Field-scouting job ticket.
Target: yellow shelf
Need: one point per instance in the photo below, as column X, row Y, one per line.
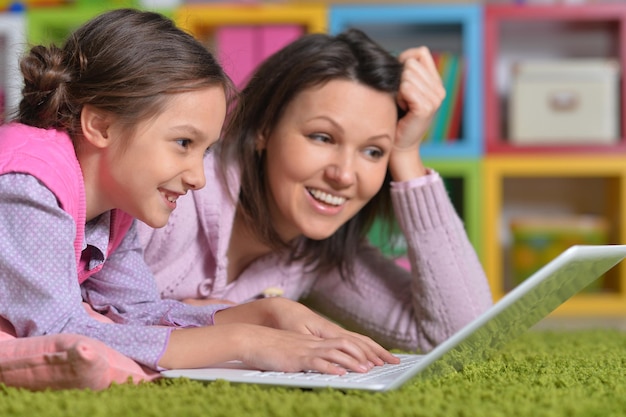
column 199, row 19
column 593, row 305
column 609, row 171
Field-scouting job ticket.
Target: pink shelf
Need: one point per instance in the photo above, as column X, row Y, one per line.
column 242, row 48
column 606, row 21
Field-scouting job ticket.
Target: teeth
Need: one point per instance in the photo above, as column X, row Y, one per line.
column 171, row 199
column 327, row 198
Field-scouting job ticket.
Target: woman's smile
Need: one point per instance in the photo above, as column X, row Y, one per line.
column 327, row 198
column 325, row 203
column 327, row 157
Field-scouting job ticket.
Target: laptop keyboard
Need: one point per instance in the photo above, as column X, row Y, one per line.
column 384, row 371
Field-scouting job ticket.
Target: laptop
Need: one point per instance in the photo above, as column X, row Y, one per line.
column 513, row 314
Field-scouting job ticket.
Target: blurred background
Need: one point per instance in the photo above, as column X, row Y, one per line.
column 530, row 138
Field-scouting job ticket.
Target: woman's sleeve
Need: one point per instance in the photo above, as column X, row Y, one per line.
column 445, row 289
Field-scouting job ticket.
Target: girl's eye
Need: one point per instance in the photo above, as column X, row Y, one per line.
column 184, row 142
column 374, row 153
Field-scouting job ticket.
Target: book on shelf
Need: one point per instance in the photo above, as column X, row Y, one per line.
column 446, row 125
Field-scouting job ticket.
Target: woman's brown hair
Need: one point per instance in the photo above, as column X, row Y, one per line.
column 310, row 61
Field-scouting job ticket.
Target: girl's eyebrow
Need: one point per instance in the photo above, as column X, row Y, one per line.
column 187, row 129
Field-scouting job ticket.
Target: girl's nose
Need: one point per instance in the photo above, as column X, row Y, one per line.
column 195, row 177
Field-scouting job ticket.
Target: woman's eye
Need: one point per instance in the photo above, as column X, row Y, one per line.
column 374, row 153
column 184, row 142
column 318, row 137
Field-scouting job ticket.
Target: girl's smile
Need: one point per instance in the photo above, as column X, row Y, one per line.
column 144, row 175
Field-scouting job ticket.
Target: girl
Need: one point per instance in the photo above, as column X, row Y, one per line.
column 325, row 138
column 111, row 127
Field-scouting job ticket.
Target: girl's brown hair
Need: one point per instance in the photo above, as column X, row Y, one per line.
column 310, row 61
column 124, row 61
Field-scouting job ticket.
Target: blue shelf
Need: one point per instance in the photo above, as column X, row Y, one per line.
column 463, row 22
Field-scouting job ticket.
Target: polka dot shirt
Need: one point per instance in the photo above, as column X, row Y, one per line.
column 39, row 290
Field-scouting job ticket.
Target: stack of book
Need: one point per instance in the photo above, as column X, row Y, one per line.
column 446, row 126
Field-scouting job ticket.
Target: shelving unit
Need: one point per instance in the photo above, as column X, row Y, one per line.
column 551, row 179
column 443, row 28
column 53, row 24
column 554, row 185
column 244, row 34
column 513, row 33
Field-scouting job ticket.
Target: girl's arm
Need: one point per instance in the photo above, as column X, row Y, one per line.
column 253, row 332
column 276, row 334
column 40, row 294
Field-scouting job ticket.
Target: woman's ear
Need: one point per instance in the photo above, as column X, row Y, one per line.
column 95, row 125
column 261, row 143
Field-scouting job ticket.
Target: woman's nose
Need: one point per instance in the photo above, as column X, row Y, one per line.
column 341, row 172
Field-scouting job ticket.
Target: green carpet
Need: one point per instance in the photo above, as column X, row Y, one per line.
column 543, row 373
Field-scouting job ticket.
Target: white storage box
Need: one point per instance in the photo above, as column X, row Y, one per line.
column 565, row 102
column 12, row 45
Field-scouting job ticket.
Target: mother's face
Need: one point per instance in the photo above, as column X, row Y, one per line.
column 327, row 157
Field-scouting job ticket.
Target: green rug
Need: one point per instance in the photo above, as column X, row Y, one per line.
column 543, row 373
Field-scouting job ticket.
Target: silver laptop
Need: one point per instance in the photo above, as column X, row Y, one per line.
column 516, row 312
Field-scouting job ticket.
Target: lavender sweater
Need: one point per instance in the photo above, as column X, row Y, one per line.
column 407, row 310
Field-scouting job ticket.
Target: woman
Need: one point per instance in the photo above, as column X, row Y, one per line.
column 324, row 139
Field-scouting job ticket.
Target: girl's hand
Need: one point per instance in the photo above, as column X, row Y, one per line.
column 420, row 94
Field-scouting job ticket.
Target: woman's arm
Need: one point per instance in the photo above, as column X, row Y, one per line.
column 255, row 334
column 445, row 289
column 420, row 94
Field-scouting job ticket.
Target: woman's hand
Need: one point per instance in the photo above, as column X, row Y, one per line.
column 420, row 94
column 264, row 348
column 289, row 351
column 322, row 342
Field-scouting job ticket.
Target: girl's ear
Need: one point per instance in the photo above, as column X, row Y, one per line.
column 95, row 124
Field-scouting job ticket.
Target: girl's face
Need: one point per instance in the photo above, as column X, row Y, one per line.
column 327, row 157
column 145, row 174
